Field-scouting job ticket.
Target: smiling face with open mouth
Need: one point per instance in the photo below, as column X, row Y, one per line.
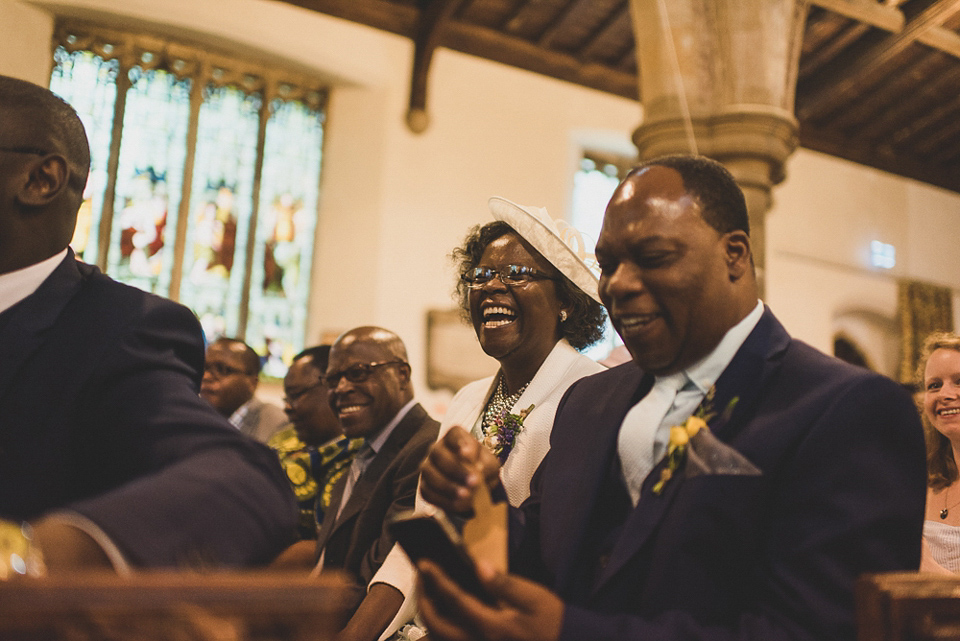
column 941, row 397
column 668, row 279
column 517, row 324
column 365, row 398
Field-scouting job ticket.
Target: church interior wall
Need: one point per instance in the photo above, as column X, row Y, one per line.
column 393, row 203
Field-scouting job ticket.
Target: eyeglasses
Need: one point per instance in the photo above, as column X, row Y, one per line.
column 477, row 277
column 222, row 370
column 358, row 373
column 25, row 150
column 293, row 397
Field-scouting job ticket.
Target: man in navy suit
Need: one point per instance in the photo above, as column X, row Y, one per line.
column 634, row 527
column 105, row 445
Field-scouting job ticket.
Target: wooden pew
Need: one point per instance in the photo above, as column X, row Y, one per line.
column 173, row 606
column 908, row 606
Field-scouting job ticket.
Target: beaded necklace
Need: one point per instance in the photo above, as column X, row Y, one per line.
column 498, row 403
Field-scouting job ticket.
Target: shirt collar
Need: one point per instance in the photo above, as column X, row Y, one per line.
column 17, row 285
column 384, row 434
column 236, row 419
column 704, row 373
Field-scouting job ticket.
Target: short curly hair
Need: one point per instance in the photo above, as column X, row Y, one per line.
column 586, row 317
column 941, row 466
column 722, row 202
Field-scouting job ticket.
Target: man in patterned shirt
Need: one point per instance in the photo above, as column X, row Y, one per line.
column 312, row 449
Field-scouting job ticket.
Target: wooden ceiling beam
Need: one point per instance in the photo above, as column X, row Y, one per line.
column 812, row 62
column 499, row 47
column 844, row 85
column 560, row 20
column 939, row 90
column 891, row 19
column 379, row 14
column 829, row 142
column 895, row 92
column 866, row 11
column 589, row 50
column 434, row 19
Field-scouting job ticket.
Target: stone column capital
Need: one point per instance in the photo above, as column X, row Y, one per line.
column 763, row 136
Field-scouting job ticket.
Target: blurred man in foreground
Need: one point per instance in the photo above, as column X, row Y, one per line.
column 105, row 445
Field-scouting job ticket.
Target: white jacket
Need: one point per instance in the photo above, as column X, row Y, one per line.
column 562, row 367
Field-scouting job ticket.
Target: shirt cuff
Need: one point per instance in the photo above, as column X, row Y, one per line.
column 91, row 529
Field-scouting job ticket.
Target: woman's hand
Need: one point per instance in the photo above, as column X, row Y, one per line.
column 454, row 468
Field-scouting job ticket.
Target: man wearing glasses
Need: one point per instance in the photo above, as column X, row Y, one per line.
column 371, row 393
column 230, row 377
column 106, row 448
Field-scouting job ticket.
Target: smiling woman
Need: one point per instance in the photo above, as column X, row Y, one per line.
column 526, row 288
column 532, row 301
column 939, row 376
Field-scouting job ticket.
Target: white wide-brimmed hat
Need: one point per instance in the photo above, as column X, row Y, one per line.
column 556, row 241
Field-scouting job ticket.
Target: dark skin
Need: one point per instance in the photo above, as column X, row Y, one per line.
column 35, row 219
column 520, row 340
column 38, row 212
column 673, row 286
column 523, row 340
column 364, row 409
column 227, row 393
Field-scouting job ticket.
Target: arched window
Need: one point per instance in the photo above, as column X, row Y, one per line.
column 204, row 179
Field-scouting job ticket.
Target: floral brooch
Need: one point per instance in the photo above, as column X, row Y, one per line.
column 504, row 431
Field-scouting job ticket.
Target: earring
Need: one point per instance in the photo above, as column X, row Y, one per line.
column 563, row 315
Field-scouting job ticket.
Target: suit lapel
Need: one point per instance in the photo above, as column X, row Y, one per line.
column 735, row 396
column 26, row 323
column 368, row 480
column 572, row 466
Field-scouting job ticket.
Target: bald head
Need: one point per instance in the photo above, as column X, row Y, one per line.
column 383, row 339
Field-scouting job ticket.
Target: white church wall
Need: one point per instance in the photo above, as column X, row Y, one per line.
column 820, row 280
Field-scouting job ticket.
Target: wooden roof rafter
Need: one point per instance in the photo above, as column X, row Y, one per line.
column 876, row 85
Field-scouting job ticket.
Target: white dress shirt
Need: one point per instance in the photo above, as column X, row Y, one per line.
column 17, row 285
column 700, row 377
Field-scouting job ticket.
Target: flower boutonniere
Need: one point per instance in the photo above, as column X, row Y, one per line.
column 504, row 431
column 693, row 440
column 680, row 436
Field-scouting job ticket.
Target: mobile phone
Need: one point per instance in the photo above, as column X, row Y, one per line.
column 434, row 538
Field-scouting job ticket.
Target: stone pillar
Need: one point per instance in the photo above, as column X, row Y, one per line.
column 718, row 77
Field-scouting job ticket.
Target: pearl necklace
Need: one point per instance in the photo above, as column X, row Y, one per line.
column 499, row 402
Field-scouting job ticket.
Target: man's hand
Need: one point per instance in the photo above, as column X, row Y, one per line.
column 454, row 468
column 525, row 611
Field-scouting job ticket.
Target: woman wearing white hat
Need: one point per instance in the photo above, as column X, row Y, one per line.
column 533, row 302
column 532, row 299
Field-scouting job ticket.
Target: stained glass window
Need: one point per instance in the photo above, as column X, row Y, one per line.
column 208, row 191
column 149, row 179
column 283, row 248
column 88, row 82
column 220, row 208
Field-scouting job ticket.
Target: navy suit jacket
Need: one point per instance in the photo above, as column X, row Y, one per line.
column 770, row 557
column 99, row 414
column 358, row 540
